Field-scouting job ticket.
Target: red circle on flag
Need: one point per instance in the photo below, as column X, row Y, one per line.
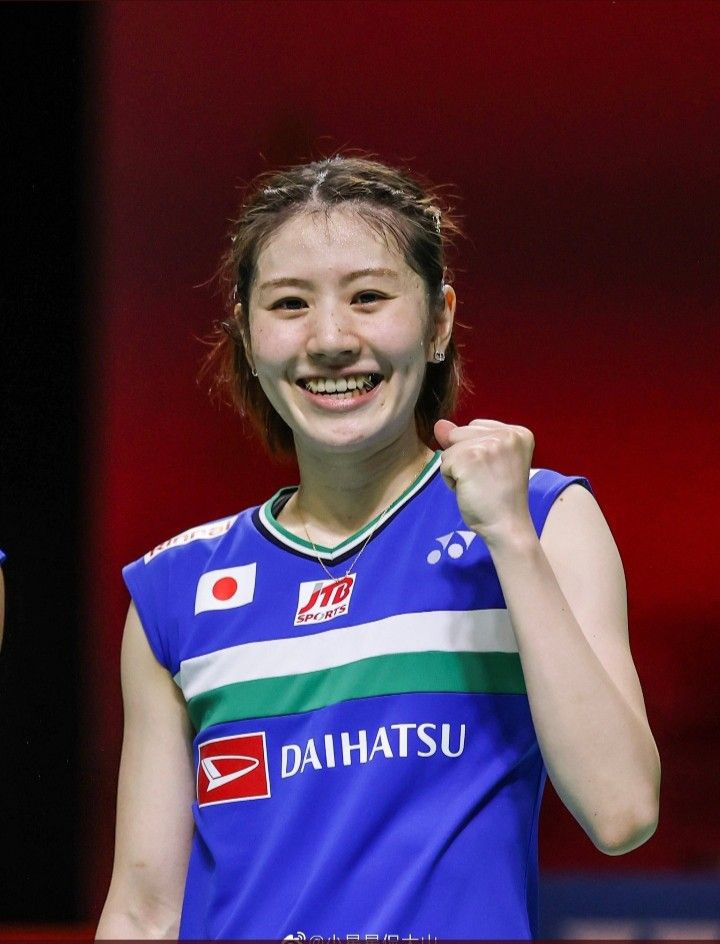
column 224, row 588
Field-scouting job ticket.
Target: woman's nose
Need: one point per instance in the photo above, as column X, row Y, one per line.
column 332, row 333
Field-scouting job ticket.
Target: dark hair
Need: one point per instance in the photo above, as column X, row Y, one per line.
column 390, row 201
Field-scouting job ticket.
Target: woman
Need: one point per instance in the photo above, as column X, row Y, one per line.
column 340, row 705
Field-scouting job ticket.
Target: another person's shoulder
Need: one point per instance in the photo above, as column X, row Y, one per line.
column 2, row 596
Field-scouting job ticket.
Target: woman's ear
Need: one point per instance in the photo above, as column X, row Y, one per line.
column 441, row 328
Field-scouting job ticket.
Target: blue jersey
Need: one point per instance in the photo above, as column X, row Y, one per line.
column 366, row 762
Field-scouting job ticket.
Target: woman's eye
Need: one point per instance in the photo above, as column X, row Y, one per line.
column 374, row 296
column 296, row 303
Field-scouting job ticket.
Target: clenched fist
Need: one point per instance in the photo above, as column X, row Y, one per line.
column 487, row 465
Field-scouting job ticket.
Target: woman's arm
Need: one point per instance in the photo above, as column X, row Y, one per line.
column 566, row 598
column 155, row 793
column 565, row 595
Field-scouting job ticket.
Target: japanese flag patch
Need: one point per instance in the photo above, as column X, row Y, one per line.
column 225, row 589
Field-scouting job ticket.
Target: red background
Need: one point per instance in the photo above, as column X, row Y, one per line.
column 583, row 141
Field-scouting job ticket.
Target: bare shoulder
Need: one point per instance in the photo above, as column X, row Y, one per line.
column 582, row 552
column 576, row 525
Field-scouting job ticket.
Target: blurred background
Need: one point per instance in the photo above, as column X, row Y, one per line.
column 580, row 141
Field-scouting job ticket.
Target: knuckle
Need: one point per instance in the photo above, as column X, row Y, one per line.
column 483, row 448
column 522, row 435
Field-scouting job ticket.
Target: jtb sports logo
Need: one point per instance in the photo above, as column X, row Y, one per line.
column 323, row 600
column 233, row 768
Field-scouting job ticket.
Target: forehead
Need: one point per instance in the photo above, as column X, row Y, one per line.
column 328, row 243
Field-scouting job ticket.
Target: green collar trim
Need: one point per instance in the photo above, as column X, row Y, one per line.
column 285, row 537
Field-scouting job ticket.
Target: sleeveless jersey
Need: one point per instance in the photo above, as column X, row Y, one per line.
column 366, row 763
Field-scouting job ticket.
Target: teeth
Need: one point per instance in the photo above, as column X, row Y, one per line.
column 341, row 385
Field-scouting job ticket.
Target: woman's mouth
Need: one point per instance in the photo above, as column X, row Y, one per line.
column 341, row 388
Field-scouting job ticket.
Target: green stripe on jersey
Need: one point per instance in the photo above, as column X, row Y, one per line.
column 401, row 673
column 472, row 631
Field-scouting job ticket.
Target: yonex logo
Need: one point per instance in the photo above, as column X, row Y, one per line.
column 233, row 768
column 454, row 548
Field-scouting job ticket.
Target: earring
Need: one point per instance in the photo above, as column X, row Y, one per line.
column 439, row 356
column 253, row 372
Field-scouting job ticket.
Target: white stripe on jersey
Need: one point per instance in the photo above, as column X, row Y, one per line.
column 441, row 631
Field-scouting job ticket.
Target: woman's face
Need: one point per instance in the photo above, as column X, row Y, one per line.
column 341, row 346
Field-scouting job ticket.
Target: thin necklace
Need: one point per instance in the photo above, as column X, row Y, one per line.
column 374, row 528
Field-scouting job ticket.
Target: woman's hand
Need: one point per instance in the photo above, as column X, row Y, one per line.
column 487, row 464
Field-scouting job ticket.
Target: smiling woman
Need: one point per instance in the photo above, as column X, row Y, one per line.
column 341, row 705
column 370, row 330
column 389, row 235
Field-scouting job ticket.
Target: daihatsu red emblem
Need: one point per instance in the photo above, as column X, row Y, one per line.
column 233, row 768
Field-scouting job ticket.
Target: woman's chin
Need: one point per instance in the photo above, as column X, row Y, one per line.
column 343, row 439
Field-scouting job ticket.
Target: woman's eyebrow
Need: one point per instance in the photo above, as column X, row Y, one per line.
column 361, row 273
column 286, row 282
column 350, row 277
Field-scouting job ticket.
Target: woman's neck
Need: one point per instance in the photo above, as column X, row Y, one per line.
column 339, row 494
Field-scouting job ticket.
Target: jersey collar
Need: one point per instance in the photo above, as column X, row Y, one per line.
column 272, row 528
